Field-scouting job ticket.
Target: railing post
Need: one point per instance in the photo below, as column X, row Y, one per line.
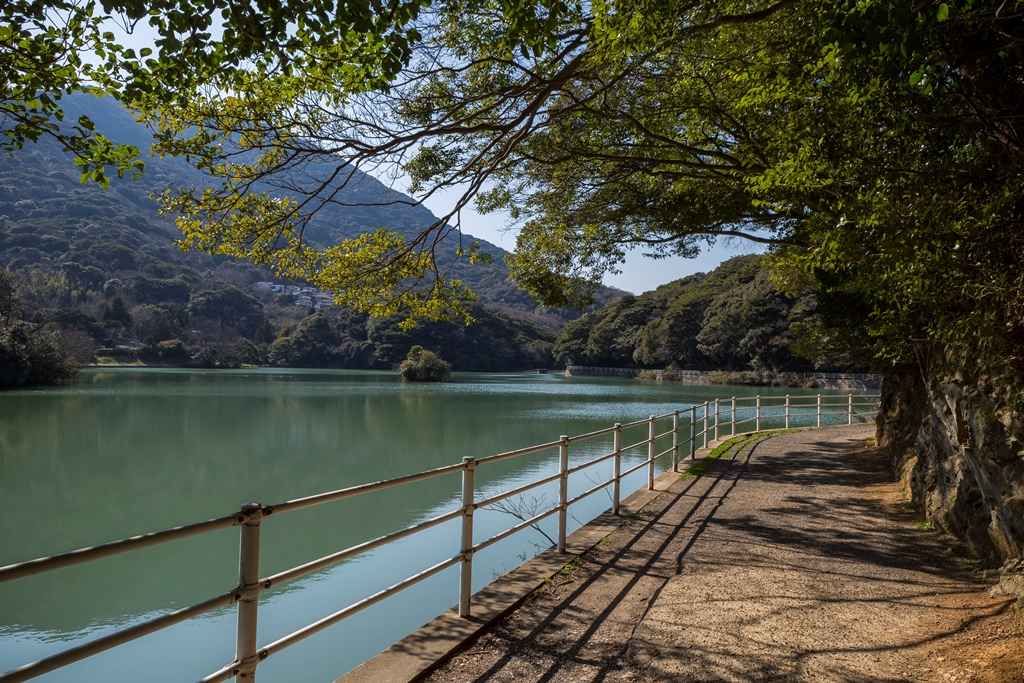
column 757, row 414
column 849, row 420
column 616, row 467
column 707, row 422
column 675, row 441
column 732, row 432
column 819, row 410
column 563, row 490
column 651, row 431
column 787, row 411
column 693, row 432
column 718, row 413
column 466, row 577
column 248, row 593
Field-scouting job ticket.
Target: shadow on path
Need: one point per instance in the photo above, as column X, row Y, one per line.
column 788, row 560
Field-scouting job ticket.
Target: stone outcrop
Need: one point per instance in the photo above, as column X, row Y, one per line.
column 958, row 449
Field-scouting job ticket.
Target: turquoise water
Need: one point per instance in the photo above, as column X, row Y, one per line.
column 126, row 451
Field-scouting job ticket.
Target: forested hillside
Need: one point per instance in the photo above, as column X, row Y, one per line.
column 100, row 266
column 731, row 318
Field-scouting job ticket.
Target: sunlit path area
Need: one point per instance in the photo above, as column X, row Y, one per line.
column 790, row 558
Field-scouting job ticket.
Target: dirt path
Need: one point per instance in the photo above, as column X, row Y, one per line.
column 790, row 559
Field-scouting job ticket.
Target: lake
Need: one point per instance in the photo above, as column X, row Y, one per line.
column 127, row 451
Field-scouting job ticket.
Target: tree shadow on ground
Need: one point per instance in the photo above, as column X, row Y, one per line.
column 833, row 537
column 701, row 495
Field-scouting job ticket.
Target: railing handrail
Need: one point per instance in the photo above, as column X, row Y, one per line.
column 739, row 410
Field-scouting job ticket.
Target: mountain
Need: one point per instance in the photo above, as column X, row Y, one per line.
column 101, row 264
column 50, row 218
column 729, row 319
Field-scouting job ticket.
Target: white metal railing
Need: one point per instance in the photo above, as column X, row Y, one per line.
column 706, row 423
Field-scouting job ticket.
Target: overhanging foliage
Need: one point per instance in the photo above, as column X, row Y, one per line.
column 876, row 145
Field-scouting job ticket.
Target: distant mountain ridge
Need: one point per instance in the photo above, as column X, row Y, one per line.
column 98, row 268
column 41, row 182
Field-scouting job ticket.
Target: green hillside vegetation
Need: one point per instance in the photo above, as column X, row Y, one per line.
column 732, row 318
column 50, row 221
column 30, row 353
column 100, row 267
column 343, row 338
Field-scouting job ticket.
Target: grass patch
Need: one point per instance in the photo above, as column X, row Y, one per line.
column 971, row 564
column 572, row 566
column 648, row 507
column 708, row 461
column 923, row 523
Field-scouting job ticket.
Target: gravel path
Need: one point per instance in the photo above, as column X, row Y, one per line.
column 790, row 559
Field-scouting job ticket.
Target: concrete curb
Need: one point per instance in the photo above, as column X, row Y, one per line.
column 429, row 646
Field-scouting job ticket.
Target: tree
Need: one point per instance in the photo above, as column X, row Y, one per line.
column 421, row 365
column 729, row 318
column 747, row 325
column 116, row 311
column 8, row 295
column 263, row 60
column 875, row 145
column 309, row 346
column 29, row 353
column 227, row 309
column 480, row 85
column 246, row 352
column 495, row 342
column 154, row 324
column 52, row 47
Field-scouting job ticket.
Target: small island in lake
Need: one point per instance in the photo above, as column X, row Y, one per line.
column 421, row 365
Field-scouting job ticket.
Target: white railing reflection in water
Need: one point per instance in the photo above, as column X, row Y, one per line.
column 691, row 429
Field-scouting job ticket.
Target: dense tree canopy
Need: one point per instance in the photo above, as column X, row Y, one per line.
column 49, row 48
column 731, row 318
column 233, row 72
column 876, row 145
column 424, row 366
column 484, row 83
column 29, row 353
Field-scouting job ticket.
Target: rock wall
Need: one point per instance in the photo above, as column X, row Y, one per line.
column 959, row 452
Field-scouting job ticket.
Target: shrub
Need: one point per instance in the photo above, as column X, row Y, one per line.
column 32, row 356
column 172, row 349
column 421, row 365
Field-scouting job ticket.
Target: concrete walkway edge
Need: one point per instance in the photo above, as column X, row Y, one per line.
column 423, row 650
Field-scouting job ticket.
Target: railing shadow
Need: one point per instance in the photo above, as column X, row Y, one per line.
column 834, row 539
